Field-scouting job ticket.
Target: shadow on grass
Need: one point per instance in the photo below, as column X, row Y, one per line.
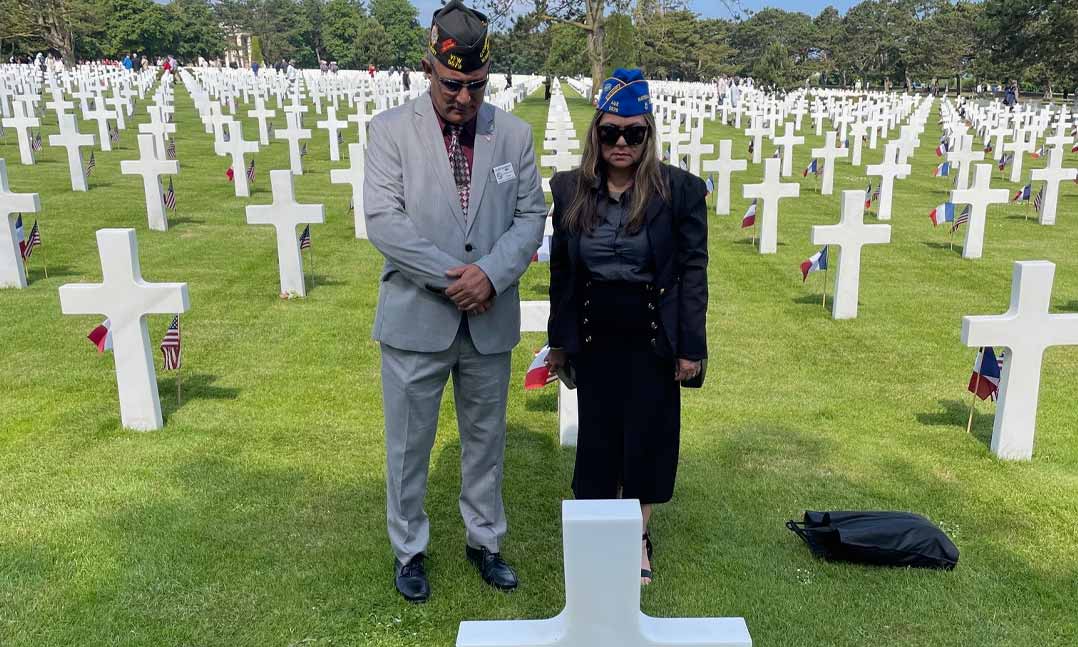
column 1070, row 306
column 815, row 299
column 956, row 249
column 36, row 273
column 322, row 281
column 955, row 414
column 176, row 221
column 194, row 386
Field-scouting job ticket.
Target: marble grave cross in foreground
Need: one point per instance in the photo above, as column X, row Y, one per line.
column 1026, row 330
column 12, row 271
column 850, row 235
column 602, row 594
column 151, row 168
column 285, row 214
column 125, row 299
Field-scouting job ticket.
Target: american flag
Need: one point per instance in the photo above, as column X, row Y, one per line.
column 752, row 146
column 868, row 196
column 225, row 135
column 251, row 172
column 1038, row 200
column 340, row 137
column 91, row 165
column 170, row 345
column 305, row 238
column 35, row 141
column 303, row 151
column 170, row 196
column 170, row 150
column 962, row 219
column 1005, row 161
column 1, row 129
column 34, row 240
column 114, row 135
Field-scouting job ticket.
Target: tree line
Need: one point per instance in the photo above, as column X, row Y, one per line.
column 879, row 43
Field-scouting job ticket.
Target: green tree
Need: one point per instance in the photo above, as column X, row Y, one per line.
column 341, row 26
column 568, row 51
column 195, row 30
column 775, row 67
column 827, row 39
column 620, row 42
column 399, row 20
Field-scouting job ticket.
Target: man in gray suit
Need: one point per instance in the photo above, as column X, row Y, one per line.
column 454, row 202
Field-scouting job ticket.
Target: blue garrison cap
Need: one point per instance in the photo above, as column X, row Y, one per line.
column 625, row 94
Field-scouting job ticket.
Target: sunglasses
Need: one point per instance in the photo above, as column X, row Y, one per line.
column 634, row 135
column 454, row 86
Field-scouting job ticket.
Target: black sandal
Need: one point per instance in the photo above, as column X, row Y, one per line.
column 647, row 543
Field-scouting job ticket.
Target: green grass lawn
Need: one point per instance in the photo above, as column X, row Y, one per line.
column 256, row 517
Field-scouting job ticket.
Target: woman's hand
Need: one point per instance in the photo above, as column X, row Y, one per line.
column 556, row 359
column 686, row 370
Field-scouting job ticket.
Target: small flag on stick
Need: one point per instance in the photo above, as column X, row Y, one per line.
column 101, row 336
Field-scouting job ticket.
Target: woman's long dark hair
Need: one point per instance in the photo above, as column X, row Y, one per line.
column 583, row 214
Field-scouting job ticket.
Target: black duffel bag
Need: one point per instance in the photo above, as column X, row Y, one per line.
column 880, row 538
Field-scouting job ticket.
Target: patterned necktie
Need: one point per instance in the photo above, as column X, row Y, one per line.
column 462, row 175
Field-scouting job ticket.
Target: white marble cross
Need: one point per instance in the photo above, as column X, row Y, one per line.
column 533, row 318
column 12, row 271
column 22, row 123
column 125, row 299
column 858, row 130
column 850, row 234
column 757, row 132
column 979, row 195
column 101, row 115
column 237, row 147
column 723, row 167
column 1060, row 140
column 285, row 214
column 333, row 125
column 151, row 168
column 1026, row 330
column 1052, row 175
column 159, row 129
column 830, row 152
column 787, row 142
column 293, row 134
column 261, row 113
column 353, row 175
column 908, row 143
column 601, row 542
column 71, row 139
column 1020, row 146
column 888, row 170
column 695, row 150
column 964, row 156
column 769, row 192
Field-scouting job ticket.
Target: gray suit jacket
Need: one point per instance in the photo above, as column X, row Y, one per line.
column 414, row 218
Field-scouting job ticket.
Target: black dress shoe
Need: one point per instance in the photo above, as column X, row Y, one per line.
column 411, row 579
column 493, row 568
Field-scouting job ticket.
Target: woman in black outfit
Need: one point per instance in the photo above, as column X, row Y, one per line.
column 628, row 301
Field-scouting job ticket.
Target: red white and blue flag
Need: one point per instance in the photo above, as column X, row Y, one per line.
column 305, row 238
column 943, row 170
column 817, row 263
column 170, row 196
column 170, row 345
column 984, row 382
column 943, row 213
column 1038, row 200
column 19, row 238
column 1037, row 154
column 101, row 336
column 813, row 167
column 868, row 196
column 749, row 219
column 1006, row 160
column 962, row 219
column 1023, row 193
column 942, row 149
column 32, row 241
column 539, row 374
column 710, row 184
column 251, row 172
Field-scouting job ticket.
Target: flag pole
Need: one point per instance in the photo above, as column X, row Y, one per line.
column 311, row 250
column 976, row 388
column 179, row 366
column 826, row 274
column 44, row 260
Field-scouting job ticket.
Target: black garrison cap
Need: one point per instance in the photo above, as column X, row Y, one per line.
column 459, row 38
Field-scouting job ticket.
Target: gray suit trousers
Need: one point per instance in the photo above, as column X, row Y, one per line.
column 412, row 386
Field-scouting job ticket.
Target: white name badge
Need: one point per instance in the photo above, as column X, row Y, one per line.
column 504, row 173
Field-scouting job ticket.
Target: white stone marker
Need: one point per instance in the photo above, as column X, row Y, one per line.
column 125, row 299
column 964, row 156
column 1020, row 146
column 978, row 196
column 101, row 115
column 12, row 271
column 293, row 134
column 151, row 169
column 353, row 175
column 888, row 170
column 533, row 318
column 261, row 113
column 285, row 214
column 237, row 147
column 757, row 132
column 1052, row 175
column 830, row 152
column 769, row 192
column 71, row 139
column 1026, row 330
column 602, row 594
column 858, row 130
column 333, row 125
column 787, row 142
column 850, row 235
column 723, row 167
column 22, row 123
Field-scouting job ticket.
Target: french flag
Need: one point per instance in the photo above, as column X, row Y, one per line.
column 868, row 196
column 986, row 374
column 812, row 168
column 102, row 336
column 539, row 374
column 943, row 170
column 19, row 236
column 988, row 148
column 1023, row 193
column 749, row 220
column 816, row 263
column 942, row 149
column 943, row 213
column 1039, row 153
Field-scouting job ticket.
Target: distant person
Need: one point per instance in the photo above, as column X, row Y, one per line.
column 254, row 67
column 333, row 67
column 371, row 70
column 406, row 79
column 128, row 65
column 1010, row 95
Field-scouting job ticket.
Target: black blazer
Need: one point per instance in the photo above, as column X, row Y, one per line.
column 677, row 232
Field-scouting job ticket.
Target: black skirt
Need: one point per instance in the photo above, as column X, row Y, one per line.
column 629, row 403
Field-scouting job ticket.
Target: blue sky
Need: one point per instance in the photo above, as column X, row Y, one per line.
column 708, row 8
